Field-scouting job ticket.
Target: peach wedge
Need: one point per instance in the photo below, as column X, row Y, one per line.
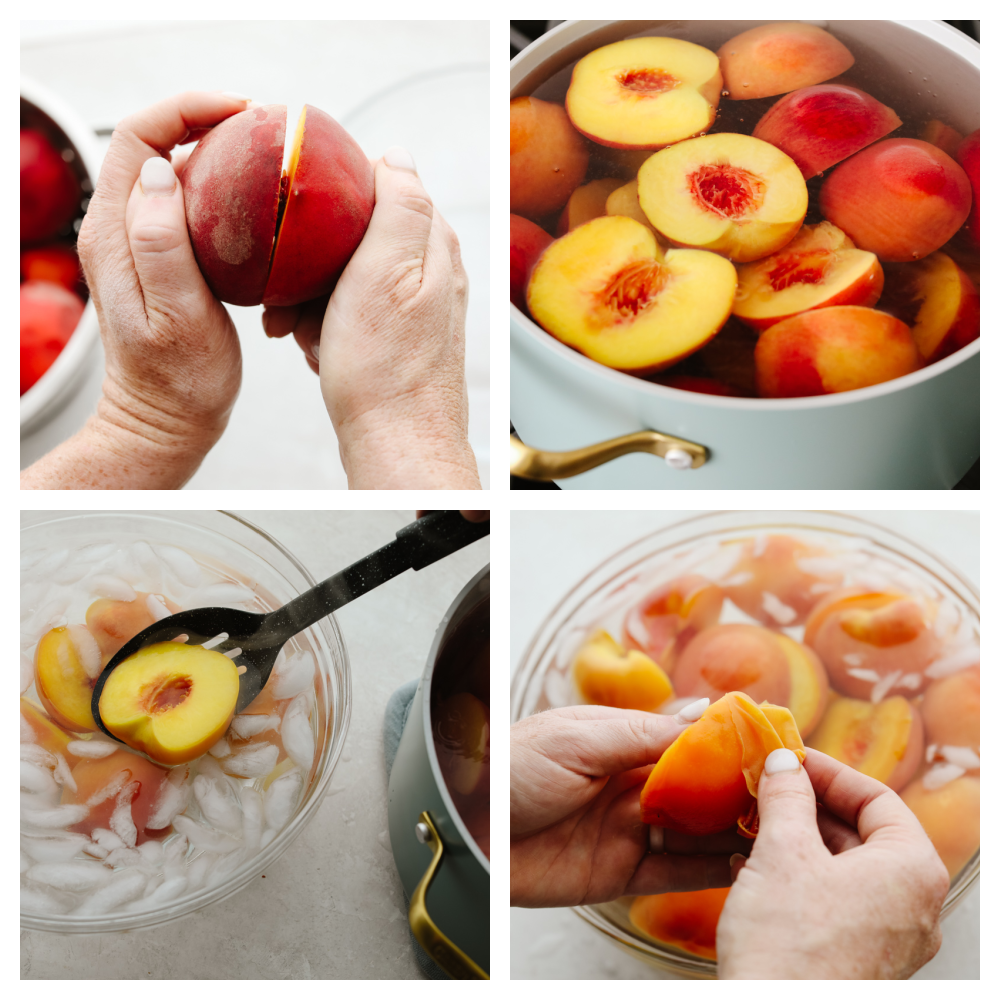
column 644, row 93
column 606, row 290
column 585, row 203
column 730, row 193
column 606, row 674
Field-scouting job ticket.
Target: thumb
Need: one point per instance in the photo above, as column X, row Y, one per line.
column 786, row 804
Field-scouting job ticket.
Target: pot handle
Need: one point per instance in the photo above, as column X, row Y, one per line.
column 443, row 951
column 531, row 463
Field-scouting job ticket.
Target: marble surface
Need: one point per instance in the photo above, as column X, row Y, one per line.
column 388, row 83
column 332, row 906
column 549, row 554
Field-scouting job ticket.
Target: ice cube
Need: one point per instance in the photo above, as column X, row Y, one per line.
column 95, row 850
column 220, row 595
column 73, row 876
column 37, row 779
column 203, row 838
column 297, row 734
column 940, row 775
column 197, row 871
column 245, row 726
column 178, row 562
column 53, row 817
column 174, row 850
column 167, row 890
column 27, row 673
column 208, row 766
column 779, row 611
column 295, row 675
column 152, row 851
column 220, row 749
column 217, row 804
column 121, row 819
column 112, row 587
column 87, row 650
column 62, row 773
column 92, row 749
column 53, row 849
column 125, row 857
column 173, row 799
column 964, row 757
column 281, row 798
column 110, row 790
column 38, row 901
column 225, row 867
column 38, row 755
column 254, row 762
column 157, row 608
column 253, row 818
column 149, row 566
column 123, row 887
column 953, row 661
column 27, row 733
column 108, row 840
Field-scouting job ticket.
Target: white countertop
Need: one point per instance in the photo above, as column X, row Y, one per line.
column 549, row 554
column 108, row 69
column 332, row 906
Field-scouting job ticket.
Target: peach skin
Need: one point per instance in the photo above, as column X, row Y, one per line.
column 686, row 920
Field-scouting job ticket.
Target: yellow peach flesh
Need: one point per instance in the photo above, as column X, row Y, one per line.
column 62, row 682
column 608, row 675
column 625, row 201
column 585, row 203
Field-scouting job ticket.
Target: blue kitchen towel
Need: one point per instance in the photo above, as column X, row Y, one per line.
column 396, row 714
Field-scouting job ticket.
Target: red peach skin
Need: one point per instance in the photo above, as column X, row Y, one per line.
column 968, row 156
column 527, row 241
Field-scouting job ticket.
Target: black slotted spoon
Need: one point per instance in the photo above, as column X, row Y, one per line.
column 260, row 637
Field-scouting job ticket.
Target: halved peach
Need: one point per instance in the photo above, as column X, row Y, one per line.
column 820, row 267
column 730, row 193
column 171, row 701
column 949, row 816
column 527, row 241
column 833, row 350
column 777, row 58
column 873, row 644
column 820, row 126
column 607, row 291
column 624, row 200
column 112, row 623
column 668, row 618
column 608, row 675
column 950, row 708
column 899, row 198
column 585, row 203
column 937, row 300
column 687, row 920
column 943, row 136
column 67, row 665
column 548, row 157
column 46, row 733
column 643, row 93
column 884, row 741
column 967, row 155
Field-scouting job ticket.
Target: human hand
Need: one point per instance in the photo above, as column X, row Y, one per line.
column 389, row 345
column 575, row 826
column 845, row 905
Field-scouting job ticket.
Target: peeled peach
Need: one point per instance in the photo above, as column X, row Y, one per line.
column 112, row 623
column 687, row 920
column 967, row 155
column 833, row 350
column 45, row 732
column 777, row 58
column 884, row 741
column 585, row 203
column 527, row 241
column 548, row 157
column 608, row 675
column 819, row 268
column 899, row 198
column 949, row 816
column 644, row 93
column 950, row 709
column 873, row 644
column 170, row 700
column 67, row 664
column 725, row 192
column 668, row 618
column 262, row 236
column 607, row 291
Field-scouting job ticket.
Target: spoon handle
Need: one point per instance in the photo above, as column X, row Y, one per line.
column 419, row 544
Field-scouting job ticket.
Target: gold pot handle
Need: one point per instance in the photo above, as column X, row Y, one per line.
column 445, row 953
column 534, row 464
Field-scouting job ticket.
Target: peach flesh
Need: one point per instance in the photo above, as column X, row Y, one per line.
column 950, row 818
column 950, row 709
column 585, row 203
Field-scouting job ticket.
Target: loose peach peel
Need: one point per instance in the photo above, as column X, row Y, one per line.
column 607, row 291
column 820, row 267
column 644, row 93
column 730, row 193
column 706, row 781
column 608, row 675
column 686, row 920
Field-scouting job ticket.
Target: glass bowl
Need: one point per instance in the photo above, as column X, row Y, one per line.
column 247, row 553
column 542, row 679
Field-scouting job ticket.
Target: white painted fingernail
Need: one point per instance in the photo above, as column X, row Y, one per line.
column 236, row 97
column 157, row 177
column 735, row 858
column 315, row 349
column 656, row 840
column 781, row 760
column 396, row 156
column 692, row 712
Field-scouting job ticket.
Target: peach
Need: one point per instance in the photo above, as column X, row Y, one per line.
column 527, row 241
column 170, row 700
column 820, row 267
column 728, row 357
column 50, row 192
column 943, row 136
column 112, row 623
column 777, row 58
column 607, row 291
column 585, row 203
column 67, row 665
column 624, row 200
column 644, row 93
column 937, row 300
column 261, row 236
column 49, row 315
column 833, row 350
column 608, row 675
column 774, row 582
column 950, row 709
column 56, row 262
column 668, row 618
column 873, row 644
column 884, row 741
column 548, row 157
column 45, row 732
column 686, row 920
column 730, row 193
column 462, row 738
column 899, row 198
column 820, row 126
column 950, row 818
column 967, row 155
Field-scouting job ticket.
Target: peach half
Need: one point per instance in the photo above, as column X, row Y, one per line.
column 170, row 700
column 777, row 58
column 884, row 741
column 833, row 350
column 527, row 241
column 67, row 665
column 263, row 236
column 730, row 193
column 586, row 203
column 820, row 126
column 607, row 291
column 624, row 200
column 950, row 818
column 548, row 157
column 820, row 267
column 112, row 623
column 686, row 920
column 644, row 93
column 950, row 709
column 45, row 732
column 608, row 675
column 899, row 198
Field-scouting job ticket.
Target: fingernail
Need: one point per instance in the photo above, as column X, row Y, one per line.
column 315, row 349
column 236, row 97
column 781, row 760
column 396, row 156
column 656, row 840
column 692, row 712
column 735, row 858
column 157, row 177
